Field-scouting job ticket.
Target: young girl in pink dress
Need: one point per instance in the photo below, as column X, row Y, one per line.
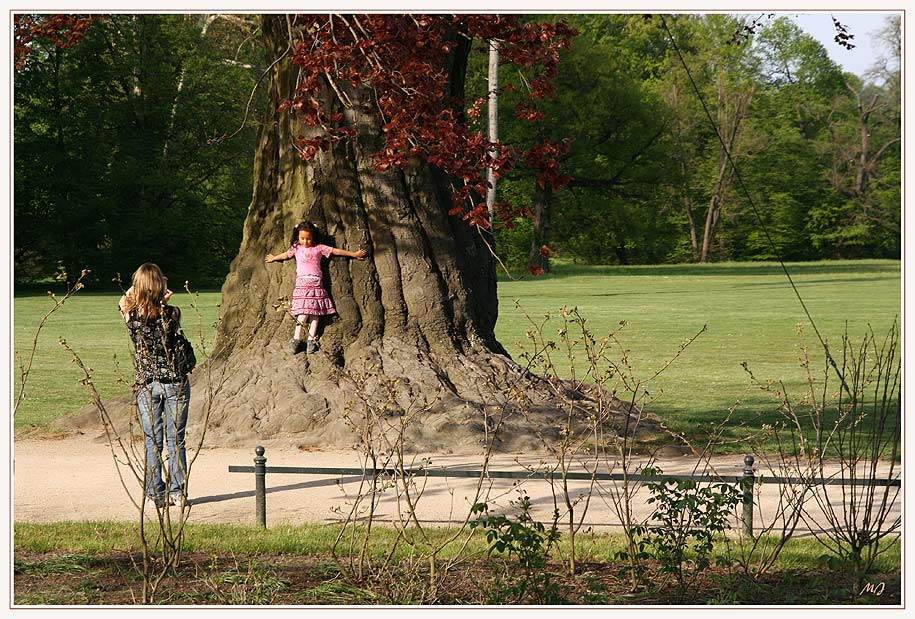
column 309, row 299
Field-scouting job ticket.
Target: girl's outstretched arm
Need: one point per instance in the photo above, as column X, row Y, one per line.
column 358, row 255
column 283, row 256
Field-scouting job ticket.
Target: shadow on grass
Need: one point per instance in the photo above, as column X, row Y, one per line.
column 888, row 267
column 751, row 416
column 41, row 290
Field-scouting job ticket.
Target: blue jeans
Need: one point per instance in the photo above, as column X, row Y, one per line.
column 163, row 412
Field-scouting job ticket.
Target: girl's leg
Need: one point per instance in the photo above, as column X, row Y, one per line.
column 312, row 332
column 293, row 345
column 299, row 321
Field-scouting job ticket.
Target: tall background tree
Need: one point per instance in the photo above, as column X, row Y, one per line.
column 370, row 143
column 113, row 159
column 862, row 148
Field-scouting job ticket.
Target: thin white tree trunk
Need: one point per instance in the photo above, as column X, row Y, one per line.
column 207, row 20
column 493, row 110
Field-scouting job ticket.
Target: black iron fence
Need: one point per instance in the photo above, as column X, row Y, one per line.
column 746, row 482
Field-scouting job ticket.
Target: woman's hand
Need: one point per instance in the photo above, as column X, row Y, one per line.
column 270, row 258
column 360, row 255
column 125, row 301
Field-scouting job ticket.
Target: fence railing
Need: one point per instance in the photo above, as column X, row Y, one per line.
column 747, row 481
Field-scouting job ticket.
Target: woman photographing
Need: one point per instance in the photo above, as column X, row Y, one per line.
column 162, row 390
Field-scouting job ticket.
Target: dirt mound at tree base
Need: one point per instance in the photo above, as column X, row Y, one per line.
column 312, row 404
column 440, row 432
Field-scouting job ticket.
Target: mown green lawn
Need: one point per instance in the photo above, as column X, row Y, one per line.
column 750, row 311
column 318, row 539
column 93, row 327
column 752, row 315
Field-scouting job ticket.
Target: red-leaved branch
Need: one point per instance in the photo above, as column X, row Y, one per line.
column 62, row 30
column 405, row 61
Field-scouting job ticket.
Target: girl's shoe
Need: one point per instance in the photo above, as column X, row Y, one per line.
column 311, row 347
column 293, row 346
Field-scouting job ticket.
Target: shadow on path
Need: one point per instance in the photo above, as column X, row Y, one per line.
column 216, row 498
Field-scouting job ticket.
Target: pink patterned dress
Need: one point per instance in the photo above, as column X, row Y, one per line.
column 309, row 296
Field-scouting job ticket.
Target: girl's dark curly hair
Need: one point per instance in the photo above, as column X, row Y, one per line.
column 304, row 225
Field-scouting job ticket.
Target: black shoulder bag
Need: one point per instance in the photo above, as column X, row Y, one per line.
column 183, row 353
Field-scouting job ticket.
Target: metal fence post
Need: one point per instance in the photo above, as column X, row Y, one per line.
column 260, row 486
column 748, row 482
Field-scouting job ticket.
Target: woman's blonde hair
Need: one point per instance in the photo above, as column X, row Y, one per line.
column 148, row 295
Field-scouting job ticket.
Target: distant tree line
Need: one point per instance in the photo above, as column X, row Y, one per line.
column 114, row 162
column 818, row 150
column 119, row 156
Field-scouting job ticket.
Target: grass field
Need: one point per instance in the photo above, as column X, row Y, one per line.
column 93, row 327
column 750, row 311
column 318, row 539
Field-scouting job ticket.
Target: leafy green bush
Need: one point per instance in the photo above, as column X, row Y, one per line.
column 687, row 518
column 528, row 540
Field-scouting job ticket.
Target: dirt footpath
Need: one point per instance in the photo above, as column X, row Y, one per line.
column 77, row 479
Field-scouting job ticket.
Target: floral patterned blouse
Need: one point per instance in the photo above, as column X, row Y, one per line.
column 151, row 339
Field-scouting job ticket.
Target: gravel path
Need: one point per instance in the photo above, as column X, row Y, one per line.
column 77, row 479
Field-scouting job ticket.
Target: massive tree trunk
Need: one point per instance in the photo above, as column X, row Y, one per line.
column 421, row 308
